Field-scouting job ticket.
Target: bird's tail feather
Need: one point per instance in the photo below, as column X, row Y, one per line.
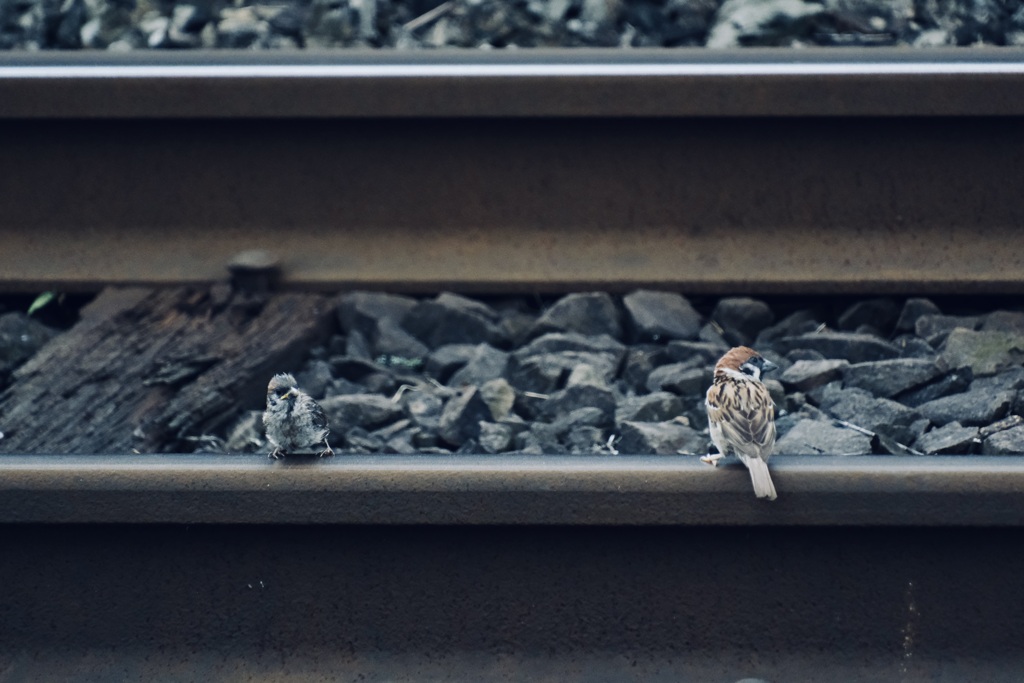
column 761, row 478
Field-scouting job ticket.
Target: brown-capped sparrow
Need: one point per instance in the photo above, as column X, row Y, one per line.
column 741, row 415
column 295, row 423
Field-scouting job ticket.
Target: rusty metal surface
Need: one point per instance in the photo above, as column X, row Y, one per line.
column 372, row 603
column 514, row 490
column 531, row 83
column 751, row 205
column 495, row 569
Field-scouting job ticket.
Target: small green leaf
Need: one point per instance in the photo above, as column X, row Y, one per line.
column 41, row 300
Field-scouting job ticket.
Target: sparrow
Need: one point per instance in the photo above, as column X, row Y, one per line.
column 741, row 415
column 295, row 423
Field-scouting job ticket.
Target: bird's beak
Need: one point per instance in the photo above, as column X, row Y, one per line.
column 768, row 366
column 291, row 393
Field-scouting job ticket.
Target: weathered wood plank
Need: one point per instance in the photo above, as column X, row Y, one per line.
column 146, row 369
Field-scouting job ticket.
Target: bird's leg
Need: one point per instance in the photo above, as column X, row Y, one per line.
column 276, row 454
column 328, row 451
column 712, row 459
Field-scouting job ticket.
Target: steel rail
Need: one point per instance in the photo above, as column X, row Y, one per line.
column 310, row 603
column 534, row 83
column 514, row 490
column 754, row 171
column 714, row 172
column 497, row 569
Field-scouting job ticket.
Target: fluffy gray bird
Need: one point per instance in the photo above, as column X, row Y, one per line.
column 295, row 423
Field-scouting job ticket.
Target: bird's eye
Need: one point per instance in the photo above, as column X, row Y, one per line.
column 751, row 369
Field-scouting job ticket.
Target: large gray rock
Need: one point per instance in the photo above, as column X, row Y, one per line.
column 953, row 382
column 711, row 333
column 540, row 438
column 424, row 408
column 356, row 345
column 851, row 346
column 589, row 313
column 247, row 434
column 796, row 414
column 914, row 309
column 763, row 22
column 315, row 378
column 696, row 353
column 398, row 437
column 660, row 316
column 742, row 318
column 453, row 319
column 934, row 329
column 543, row 365
column 579, row 396
column 793, row 325
column 1008, row 422
column 816, row 437
column 805, row 375
column 363, row 311
column 111, row 24
column 914, row 347
column 239, row 28
column 663, row 438
column 495, row 438
column 548, row 372
column 588, row 375
column 880, row 314
column 984, row 352
column 360, row 410
column 20, row 337
column 443, row 361
column 950, row 439
column 824, row 396
column 393, row 344
column 356, row 376
column 657, row 407
column 588, row 416
column 586, row 439
column 887, row 378
column 1006, row 442
column 968, row 408
column 1004, row 321
column 499, row 396
column 460, row 420
column 804, row 354
column 1011, row 379
column 558, row 342
column 358, row 440
column 637, row 365
column 879, row 415
column 486, row 363
column 516, row 324
column 680, row 379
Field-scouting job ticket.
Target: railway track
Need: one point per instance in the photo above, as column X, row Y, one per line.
column 805, row 173
column 852, row 171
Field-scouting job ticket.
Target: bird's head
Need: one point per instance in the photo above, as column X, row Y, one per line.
column 282, row 387
column 745, row 360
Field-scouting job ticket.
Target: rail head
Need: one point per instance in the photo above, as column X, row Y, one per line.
column 518, row 84
column 510, row 490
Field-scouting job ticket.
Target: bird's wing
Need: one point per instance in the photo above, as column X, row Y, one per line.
column 316, row 414
column 745, row 414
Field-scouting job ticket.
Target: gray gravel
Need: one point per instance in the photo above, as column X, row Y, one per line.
column 592, row 372
column 601, row 373
column 423, row 24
